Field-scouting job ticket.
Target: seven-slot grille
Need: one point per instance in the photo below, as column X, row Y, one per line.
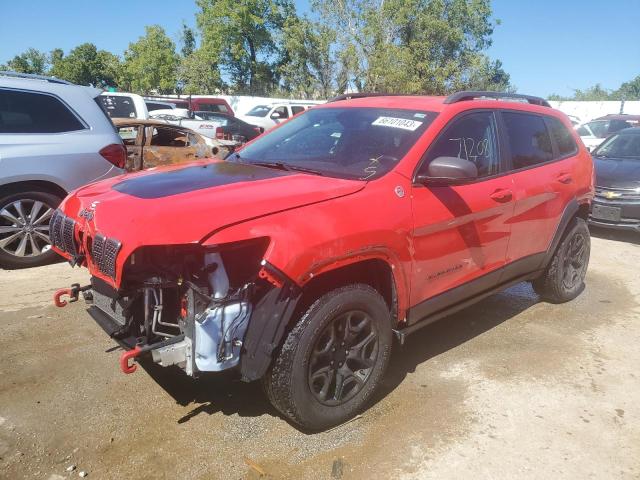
column 61, row 233
column 103, row 250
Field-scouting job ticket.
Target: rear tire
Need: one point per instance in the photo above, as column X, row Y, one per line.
column 563, row 280
column 24, row 229
column 333, row 359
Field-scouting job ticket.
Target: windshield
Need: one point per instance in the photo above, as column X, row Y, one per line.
column 356, row 143
column 599, row 128
column 620, row 146
column 259, row 111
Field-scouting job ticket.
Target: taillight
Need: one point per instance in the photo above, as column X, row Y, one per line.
column 115, row 153
column 220, row 133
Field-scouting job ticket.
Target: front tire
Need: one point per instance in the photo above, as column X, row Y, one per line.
column 24, row 229
column 563, row 280
column 333, row 359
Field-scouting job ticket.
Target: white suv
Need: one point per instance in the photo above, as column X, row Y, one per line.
column 268, row 116
column 54, row 138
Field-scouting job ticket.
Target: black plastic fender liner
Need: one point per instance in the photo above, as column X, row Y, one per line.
column 271, row 314
column 570, row 211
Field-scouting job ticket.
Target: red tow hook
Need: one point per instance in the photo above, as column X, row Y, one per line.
column 130, row 355
column 60, row 293
column 73, row 292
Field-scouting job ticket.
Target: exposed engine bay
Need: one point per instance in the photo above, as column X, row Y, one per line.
column 191, row 307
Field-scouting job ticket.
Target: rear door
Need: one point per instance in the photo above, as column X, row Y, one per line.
column 461, row 232
column 542, row 156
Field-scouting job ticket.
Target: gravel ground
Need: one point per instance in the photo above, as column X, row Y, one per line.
column 509, row 388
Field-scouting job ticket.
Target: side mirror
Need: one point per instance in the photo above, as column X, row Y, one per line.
column 448, row 171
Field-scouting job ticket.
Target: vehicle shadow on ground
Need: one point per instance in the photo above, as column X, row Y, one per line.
column 615, row 235
column 211, row 393
column 453, row 331
column 224, row 393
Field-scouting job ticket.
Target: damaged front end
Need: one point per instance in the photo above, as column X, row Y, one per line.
column 201, row 309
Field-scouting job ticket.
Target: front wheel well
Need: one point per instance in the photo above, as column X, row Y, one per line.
column 30, row 185
column 373, row 272
column 583, row 211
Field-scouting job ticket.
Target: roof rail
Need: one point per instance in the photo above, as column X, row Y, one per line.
column 32, row 76
column 349, row 96
column 471, row 95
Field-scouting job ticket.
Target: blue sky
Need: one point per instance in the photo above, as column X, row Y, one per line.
column 548, row 46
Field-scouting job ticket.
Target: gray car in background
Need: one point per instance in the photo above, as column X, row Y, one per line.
column 54, row 138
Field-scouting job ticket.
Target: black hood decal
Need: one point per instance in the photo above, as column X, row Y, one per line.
column 188, row 179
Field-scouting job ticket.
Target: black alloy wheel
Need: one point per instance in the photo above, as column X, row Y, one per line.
column 343, row 357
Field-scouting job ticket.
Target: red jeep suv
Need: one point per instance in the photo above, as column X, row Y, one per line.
column 299, row 258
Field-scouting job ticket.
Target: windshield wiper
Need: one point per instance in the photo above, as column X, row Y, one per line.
column 287, row 167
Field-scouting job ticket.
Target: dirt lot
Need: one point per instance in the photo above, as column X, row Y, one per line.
column 510, row 388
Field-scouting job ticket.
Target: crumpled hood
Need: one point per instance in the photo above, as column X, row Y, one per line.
column 180, row 205
column 621, row 173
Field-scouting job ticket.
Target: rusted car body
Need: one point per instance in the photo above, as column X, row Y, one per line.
column 152, row 143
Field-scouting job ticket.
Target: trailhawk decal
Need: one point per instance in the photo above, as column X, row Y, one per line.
column 393, row 122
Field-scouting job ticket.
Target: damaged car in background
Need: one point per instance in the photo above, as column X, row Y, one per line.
column 151, row 143
column 297, row 259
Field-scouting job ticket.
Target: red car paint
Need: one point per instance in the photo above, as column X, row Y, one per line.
column 317, row 224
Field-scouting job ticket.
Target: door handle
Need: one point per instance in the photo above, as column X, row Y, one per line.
column 565, row 178
column 502, row 195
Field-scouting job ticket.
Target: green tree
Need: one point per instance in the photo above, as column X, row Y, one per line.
column 151, row 63
column 597, row 92
column 86, row 65
column 241, row 37
column 188, row 39
column 32, row 61
column 414, row 46
column 489, row 76
column 307, row 66
column 199, row 73
column 628, row 90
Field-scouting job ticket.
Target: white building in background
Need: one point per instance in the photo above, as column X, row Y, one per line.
column 588, row 110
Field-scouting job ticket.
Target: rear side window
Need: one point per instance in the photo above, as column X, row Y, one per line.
column 30, row 112
column 169, row 137
column 282, row 111
column 156, row 106
column 297, row 110
column 208, row 107
column 118, row 106
column 473, row 138
column 528, row 139
column 562, row 137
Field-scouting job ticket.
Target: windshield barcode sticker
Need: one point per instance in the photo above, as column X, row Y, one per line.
column 393, row 122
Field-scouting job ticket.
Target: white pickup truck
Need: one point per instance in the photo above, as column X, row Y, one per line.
column 184, row 118
column 269, row 115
